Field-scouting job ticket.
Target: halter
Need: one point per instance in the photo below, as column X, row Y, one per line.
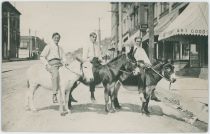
column 162, row 71
column 129, row 60
column 74, row 71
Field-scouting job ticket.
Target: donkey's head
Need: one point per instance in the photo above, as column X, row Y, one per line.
column 168, row 71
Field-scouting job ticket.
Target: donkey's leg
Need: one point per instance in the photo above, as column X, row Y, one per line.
column 116, row 90
column 148, row 96
column 106, row 97
column 67, row 101
column 61, row 102
column 146, row 106
column 112, row 97
column 27, row 107
column 31, row 93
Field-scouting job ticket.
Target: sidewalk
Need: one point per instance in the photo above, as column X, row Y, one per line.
column 189, row 94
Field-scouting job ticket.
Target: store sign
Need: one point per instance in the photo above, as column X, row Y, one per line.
column 193, row 31
column 144, row 26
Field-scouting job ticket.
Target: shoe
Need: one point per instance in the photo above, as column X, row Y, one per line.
column 54, row 98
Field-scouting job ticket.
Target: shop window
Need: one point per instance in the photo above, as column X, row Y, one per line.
column 145, row 15
column 185, row 51
column 194, row 55
column 159, row 50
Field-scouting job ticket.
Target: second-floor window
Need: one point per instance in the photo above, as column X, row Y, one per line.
column 145, row 14
column 164, row 6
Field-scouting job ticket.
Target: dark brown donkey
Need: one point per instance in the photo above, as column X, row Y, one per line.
column 109, row 75
column 159, row 70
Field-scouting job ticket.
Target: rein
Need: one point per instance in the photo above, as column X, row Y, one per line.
column 160, row 75
column 125, row 71
column 72, row 71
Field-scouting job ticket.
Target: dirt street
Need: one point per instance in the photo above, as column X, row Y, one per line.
column 85, row 116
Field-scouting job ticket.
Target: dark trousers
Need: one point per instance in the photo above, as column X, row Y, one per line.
column 142, row 81
column 92, row 87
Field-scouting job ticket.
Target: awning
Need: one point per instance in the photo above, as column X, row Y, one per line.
column 192, row 21
column 162, row 25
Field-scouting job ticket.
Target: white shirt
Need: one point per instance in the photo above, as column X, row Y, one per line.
column 51, row 51
column 140, row 54
column 91, row 50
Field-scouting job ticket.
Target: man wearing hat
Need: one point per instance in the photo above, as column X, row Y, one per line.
column 91, row 50
column 144, row 62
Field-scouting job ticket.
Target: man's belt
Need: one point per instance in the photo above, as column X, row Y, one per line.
column 54, row 59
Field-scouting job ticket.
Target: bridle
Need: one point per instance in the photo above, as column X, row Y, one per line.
column 76, row 72
column 161, row 75
column 129, row 60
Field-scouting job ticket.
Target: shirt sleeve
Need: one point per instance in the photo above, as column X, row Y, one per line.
column 142, row 55
column 44, row 54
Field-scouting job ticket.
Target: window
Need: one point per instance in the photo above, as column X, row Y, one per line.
column 155, row 10
column 145, row 15
column 194, row 55
column 185, row 52
column 164, row 6
column 24, row 45
column 173, row 50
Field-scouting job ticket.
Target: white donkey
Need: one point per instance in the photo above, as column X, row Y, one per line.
column 38, row 76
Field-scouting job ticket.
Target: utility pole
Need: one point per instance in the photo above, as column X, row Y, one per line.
column 8, row 34
column 99, row 33
column 29, row 44
column 120, row 27
column 151, row 31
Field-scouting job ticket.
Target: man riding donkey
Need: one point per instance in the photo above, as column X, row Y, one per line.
column 143, row 63
column 91, row 50
column 53, row 58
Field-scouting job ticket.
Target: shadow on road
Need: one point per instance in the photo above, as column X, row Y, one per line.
column 100, row 109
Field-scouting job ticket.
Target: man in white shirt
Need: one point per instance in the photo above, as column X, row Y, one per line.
column 53, row 57
column 91, row 50
column 144, row 62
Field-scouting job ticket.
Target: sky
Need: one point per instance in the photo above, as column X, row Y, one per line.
column 73, row 20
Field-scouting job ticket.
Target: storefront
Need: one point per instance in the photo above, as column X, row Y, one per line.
column 185, row 40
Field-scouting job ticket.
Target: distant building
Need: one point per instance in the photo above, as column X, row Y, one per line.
column 31, row 47
column 10, row 31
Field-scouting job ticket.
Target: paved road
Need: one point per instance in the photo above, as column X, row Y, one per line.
column 85, row 116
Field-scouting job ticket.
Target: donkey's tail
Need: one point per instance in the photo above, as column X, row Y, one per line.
column 28, row 84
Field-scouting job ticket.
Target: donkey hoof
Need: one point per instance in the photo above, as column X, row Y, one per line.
column 112, row 111
column 27, row 108
column 106, row 110
column 34, row 110
column 118, row 107
column 68, row 111
column 63, row 114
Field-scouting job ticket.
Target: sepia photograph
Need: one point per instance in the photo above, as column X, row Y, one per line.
column 104, row 66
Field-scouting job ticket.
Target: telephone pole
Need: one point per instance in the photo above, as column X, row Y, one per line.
column 120, row 27
column 29, row 44
column 151, row 31
column 99, row 30
column 8, row 35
